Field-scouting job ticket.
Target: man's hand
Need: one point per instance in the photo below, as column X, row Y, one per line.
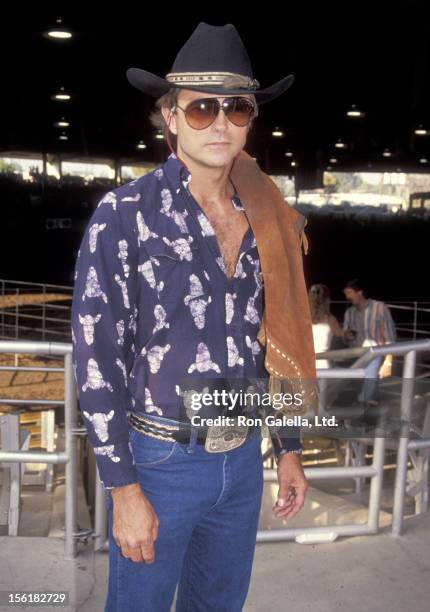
column 385, row 369
column 292, row 486
column 135, row 524
column 348, row 335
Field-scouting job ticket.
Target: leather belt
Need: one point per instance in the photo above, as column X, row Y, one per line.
column 216, row 439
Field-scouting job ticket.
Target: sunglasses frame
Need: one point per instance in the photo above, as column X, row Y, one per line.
column 220, row 107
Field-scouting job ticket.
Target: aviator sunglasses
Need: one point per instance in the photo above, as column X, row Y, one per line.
column 201, row 113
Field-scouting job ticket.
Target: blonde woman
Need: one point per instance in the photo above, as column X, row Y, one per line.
column 324, row 324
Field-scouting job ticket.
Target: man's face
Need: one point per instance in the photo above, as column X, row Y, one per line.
column 352, row 295
column 198, row 144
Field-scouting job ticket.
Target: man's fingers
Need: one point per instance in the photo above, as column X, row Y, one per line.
column 280, row 510
column 294, row 508
column 148, row 553
column 288, row 512
column 154, row 533
column 132, row 553
column 283, row 502
column 295, row 503
column 148, row 558
column 285, row 492
column 300, row 496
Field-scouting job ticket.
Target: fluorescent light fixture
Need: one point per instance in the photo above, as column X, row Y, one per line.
column 420, row 131
column 333, row 160
column 61, row 95
column 354, row 112
column 386, row 153
column 141, row 145
column 289, row 153
column 59, row 32
column 63, row 136
column 62, row 123
column 277, row 133
column 340, row 145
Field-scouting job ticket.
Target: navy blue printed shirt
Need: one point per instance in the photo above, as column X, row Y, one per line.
column 152, row 303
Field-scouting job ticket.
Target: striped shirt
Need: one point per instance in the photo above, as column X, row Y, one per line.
column 374, row 323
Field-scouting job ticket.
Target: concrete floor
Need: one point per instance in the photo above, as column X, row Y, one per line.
column 358, row 573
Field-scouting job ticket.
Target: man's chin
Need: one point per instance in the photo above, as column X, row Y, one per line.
column 219, row 158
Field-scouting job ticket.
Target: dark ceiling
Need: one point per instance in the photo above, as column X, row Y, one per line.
column 340, row 53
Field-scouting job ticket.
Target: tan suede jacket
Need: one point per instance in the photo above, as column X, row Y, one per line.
column 286, row 328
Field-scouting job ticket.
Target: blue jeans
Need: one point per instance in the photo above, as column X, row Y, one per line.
column 369, row 389
column 208, row 505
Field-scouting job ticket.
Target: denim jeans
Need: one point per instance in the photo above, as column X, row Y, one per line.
column 369, row 389
column 208, row 505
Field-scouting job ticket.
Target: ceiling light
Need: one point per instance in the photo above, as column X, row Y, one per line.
column 277, row 133
column 141, row 145
column 386, row 153
column 420, row 131
column 59, row 32
column 62, row 123
column 340, row 145
column 354, row 112
column 289, row 153
column 61, row 95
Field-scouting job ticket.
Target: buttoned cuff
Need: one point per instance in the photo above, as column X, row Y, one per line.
column 116, row 465
column 286, row 439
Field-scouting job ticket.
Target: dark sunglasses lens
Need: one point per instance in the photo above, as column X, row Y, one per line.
column 201, row 113
column 239, row 111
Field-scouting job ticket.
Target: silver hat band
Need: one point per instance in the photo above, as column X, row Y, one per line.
column 229, row 80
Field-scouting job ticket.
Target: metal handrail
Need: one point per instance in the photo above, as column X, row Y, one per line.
column 15, row 312
column 20, row 282
column 69, row 456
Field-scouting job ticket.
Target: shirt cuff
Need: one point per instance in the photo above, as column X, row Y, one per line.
column 286, row 439
column 115, row 463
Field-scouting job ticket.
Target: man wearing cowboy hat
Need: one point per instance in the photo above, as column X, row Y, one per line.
column 169, row 282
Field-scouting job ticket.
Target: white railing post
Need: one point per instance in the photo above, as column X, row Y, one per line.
column 402, row 451
column 70, row 421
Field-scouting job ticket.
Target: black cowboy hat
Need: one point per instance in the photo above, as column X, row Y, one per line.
column 213, row 60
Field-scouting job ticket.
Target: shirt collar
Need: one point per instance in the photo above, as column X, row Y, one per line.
column 177, row 172
column 179, row 175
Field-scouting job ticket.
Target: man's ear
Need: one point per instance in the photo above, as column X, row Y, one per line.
column 169, row 117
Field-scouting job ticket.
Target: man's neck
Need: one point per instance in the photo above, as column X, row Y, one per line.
column 209, row 186
column 362, row 304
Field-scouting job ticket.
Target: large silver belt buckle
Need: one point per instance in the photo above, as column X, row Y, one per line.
column 220, row 439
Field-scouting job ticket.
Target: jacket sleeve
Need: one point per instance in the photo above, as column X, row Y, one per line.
column 285, row 439
column 103, row 327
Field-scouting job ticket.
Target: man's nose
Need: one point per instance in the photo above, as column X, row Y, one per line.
column 221, row 119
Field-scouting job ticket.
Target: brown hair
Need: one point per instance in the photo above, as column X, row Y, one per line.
column 169, row 99
column 319, row 302
column 356, row 285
